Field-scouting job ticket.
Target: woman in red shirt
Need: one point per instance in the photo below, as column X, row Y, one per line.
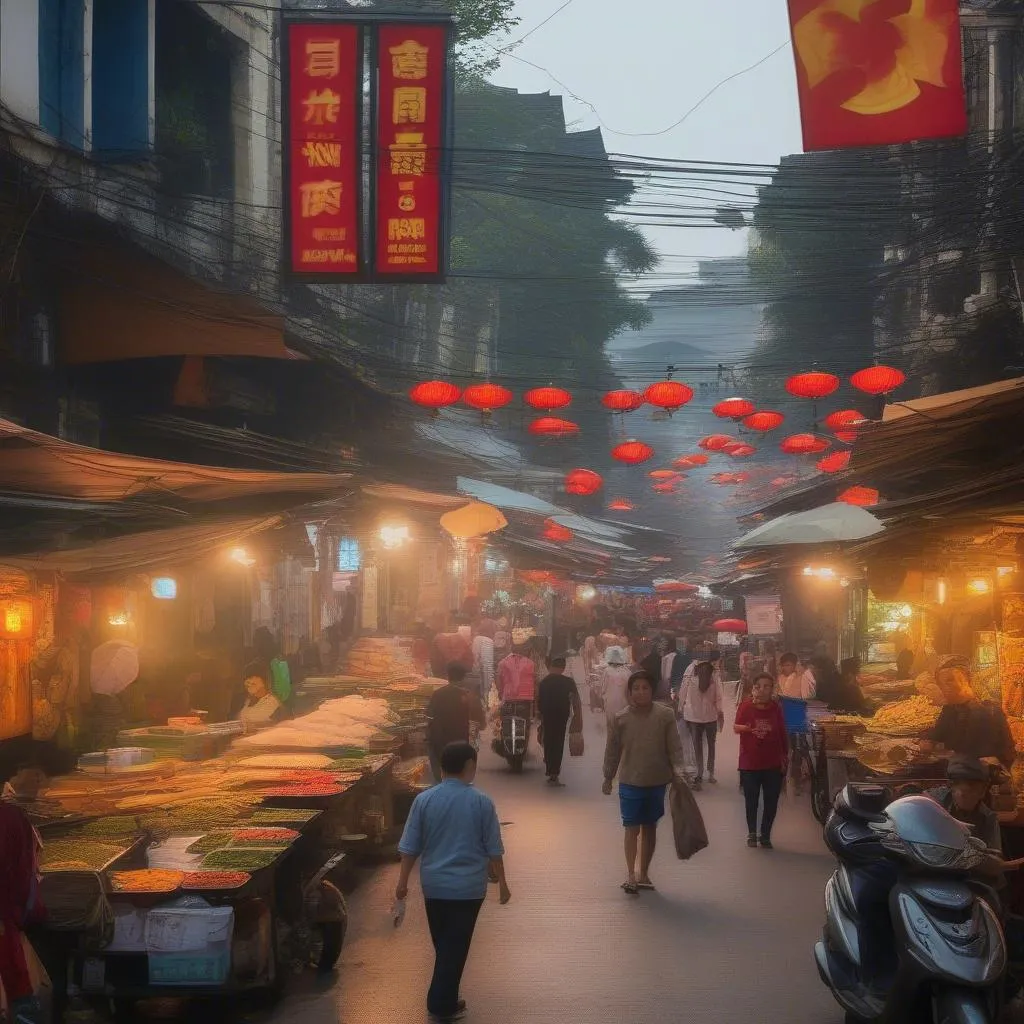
column 764, row 756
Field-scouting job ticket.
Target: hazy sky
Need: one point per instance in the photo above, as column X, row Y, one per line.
column 644, row 63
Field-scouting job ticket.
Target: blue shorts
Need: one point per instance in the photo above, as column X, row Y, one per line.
column 641, row 805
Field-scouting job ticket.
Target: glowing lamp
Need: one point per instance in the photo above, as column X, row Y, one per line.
column 486, row 397
column 622, row 401
column 435, row 394
column 17, row 620
column 668, row 394
column 164, row 588
column 764, row 420
column 878, row 380
column 733, row 409
column 394, row 536
column 242, row 557
column 547, row 399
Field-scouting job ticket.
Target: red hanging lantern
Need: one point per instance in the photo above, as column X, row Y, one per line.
column 552, row 426
column 724, row 479
column 583, row 482
column 486, row 397
column 834, row 463
column 547, row 399
column 556, row 532
column 804, row 444
column 846, row 436
column 622, row 401
column 878, row 380
column 764, row 420
column 691, row 461
column 674, row 586
column 729, row 626
column 663, row 474
column 740, row 450
column 845, row 419
column 632, row 453
column 665, row 487
column 435, row 394
column 862, row 497
column 733, row 409
column 668, row 394
column 716, row 442
column 812, row 385
column 621, row 505
column 538, row 577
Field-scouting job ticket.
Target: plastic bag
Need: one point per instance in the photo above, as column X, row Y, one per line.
column 398, row 913
column 688, row 828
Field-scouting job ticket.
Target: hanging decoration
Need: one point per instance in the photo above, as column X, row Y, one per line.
column 716, row 442
column 878, row 380
column 863, row 497
column 845, row 419
column 846, row 436
column 729, row 626
column 435, row 394
column 729, row 479
column 621, row 505
column 739, row 450
column 547, row 399
column 691, row 461
column 664, row 474
column 556, row 532
column 486, row 397
column 673, row 586
column 583, row 482
column 669, row 395
column 804, row 444
column 812, row 385
column 765, row 420
column 871, row 74
column 552, row 426
column 834, row 463
column 622, row 401
column 538, row 577
column 733, row 409
column 665, row 487
column 632, row 453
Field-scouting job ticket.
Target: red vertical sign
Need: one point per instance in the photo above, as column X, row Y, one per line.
column 323, row 175
column 412, row 71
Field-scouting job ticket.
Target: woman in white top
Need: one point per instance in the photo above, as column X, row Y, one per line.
column 700, row 701
column 613, row 682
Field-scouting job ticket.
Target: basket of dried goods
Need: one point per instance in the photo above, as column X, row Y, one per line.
column 214, row 881
column 910, row 717
column 80, row 855
column 159, row 881
column 241, row 858
column 285, row 817
column 262, row 836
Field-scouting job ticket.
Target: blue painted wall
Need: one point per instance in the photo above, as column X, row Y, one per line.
column 62, row 70
column 120, row 76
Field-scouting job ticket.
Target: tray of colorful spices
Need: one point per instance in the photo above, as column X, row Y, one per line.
column 284, row 817
column 157, row 881
column 242, row 858
column 215, row 881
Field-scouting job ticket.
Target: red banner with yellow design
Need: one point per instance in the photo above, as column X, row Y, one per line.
column 322, row 150
column 878, row 72
column 412, row 73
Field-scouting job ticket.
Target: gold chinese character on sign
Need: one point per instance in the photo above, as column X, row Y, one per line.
column 410, row 105
column 409, row 60
column 408, row 154
column 323, row 58
column 322, row 154
column 322, row 107
column 401, row 229
column 320, row 197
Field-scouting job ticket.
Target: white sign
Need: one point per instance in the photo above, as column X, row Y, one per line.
column 764, row 615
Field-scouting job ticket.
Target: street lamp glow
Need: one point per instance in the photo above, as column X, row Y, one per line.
column 242, row 557
column 393, row 536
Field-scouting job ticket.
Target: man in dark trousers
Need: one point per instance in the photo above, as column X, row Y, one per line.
column 449, row 713
column 453, row 831
column 557, row 698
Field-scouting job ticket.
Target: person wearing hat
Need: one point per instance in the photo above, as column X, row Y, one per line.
column 613, row 681
column 964, row 798
column 967, row 724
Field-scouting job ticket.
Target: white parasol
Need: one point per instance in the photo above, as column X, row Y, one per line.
column 825, row 525
column 114, row 667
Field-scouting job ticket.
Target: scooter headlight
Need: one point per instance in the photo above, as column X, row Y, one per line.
column 941, row 856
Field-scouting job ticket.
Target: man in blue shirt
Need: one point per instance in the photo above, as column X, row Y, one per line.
column 453, row 831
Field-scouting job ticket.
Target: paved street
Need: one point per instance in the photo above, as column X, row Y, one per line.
column 727, row 937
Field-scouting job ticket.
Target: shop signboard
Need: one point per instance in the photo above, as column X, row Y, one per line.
column 412, row 72
column 322, row 151
column 764, row 615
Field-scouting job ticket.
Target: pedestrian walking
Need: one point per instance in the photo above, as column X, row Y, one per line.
column 795, row 684
column 613, row 682
column 450, row 711
column 643, row 749
column 558, row 697
column 700, row 701
column 453, row 832
column 764, row 755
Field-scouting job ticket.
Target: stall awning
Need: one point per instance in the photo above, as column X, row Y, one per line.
column 34, row 463
column 147, row 551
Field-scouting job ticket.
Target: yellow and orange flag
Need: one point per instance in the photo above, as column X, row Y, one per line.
column 878, row 72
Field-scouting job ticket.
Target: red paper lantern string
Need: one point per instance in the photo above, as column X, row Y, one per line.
column 733, row 409
column 622, row 401
column 547, row 399
column 435, row 394
column 878, row 380
column 765, row 420
column 812, row 385
column 552, row 426
column 583, row 482
column 863, row 497
column 804, row 444
column 834, row 463
column 668, row 394
column 632, row 453
column 486, row 397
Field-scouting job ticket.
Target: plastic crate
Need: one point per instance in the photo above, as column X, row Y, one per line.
column 794, row 714
column 210, row 967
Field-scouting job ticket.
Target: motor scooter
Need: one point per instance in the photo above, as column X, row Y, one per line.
column 513, row 738
column 946, row 943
